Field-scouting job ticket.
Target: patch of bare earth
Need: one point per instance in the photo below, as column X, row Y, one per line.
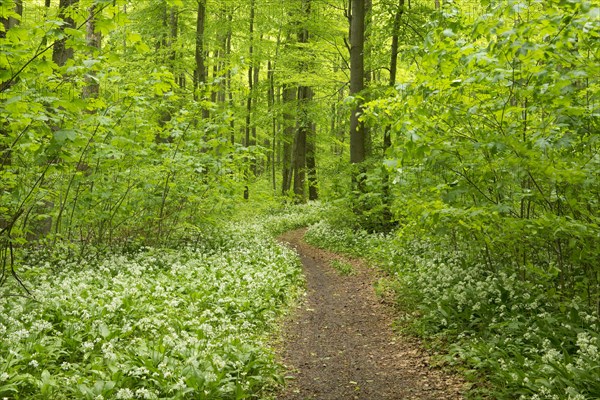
column 339, row 344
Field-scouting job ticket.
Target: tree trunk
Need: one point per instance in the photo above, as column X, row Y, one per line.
column 19, row 10
column 228, row 77
column 305, row 123
column 61, row 53
column 288, row 96
column 369, row 75
column 250, row 78
column 311, row 162
column 304, row 94
column 94, row 41
column 271, row 109
column 200, row 71
column 387, row 135
column 174, row 54
column 387, row 139
column 357, row 39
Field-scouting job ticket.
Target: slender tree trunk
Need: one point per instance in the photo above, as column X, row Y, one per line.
column 288, row 97
column 357, row 72
column 387, row 135
column 200, row 71
column 174, row 54
column 311, row 162
column 253, row 95
column 248, row 128
column 228, row 77
column 304, row 93
column 94, row 41
column 271, row 109
column 61, row 53
column 12, row 22
column 305, row 123
column 221, row 61
column 387, row 139
column 369, row 75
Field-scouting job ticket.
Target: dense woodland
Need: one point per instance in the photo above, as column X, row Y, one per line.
column 150, row 150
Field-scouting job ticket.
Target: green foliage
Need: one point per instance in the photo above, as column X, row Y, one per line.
column 516, row 337
column 493, row 182
column 289, row 217
column 342, row 267
column 155, row 323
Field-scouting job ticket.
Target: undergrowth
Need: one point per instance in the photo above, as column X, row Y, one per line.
column 513, row 337
column 150, row 323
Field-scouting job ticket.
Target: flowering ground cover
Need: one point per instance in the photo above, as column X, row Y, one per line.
column 515, row 338
column 154, row 323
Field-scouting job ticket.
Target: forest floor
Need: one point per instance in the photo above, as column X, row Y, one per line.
column 339, row 343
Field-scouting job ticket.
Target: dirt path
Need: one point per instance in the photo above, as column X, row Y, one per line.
column 339, row 344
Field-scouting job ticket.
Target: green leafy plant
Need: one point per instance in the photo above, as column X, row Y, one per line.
column 151, row 323
column 343, row 268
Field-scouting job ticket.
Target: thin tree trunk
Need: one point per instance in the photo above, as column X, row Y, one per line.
column 300, row 147
column 387, row 139
column 228, row 78
column 289, row 96
column 305, row 95
column 357, row 39
column 387, row 135
column 174, row 54
column 250, row 78
column 369, row 75
column 94, row 41
column 12, row 22
column 311, row 163
column 200, row 71
column 61, row 53
column 271, row 110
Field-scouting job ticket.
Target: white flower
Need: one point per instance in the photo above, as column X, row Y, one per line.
column 124, row 394
column 34, row 363
column 4, row 377
column 144, row 393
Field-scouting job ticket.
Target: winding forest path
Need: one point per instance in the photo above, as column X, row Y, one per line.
column 340, row 345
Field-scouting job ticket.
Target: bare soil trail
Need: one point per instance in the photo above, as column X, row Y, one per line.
column 339, row 344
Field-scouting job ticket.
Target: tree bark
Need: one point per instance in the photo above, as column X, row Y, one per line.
column 387, row 135
column 94, row 42
column 271, row 109
column 200, row 71
column 357, row 73
column 174, row 54
column 304, row 154
column 61, row 53
column 311, row 162
column 228, row 77
column 251, row 78
column 288, row 97
column 387, row 138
